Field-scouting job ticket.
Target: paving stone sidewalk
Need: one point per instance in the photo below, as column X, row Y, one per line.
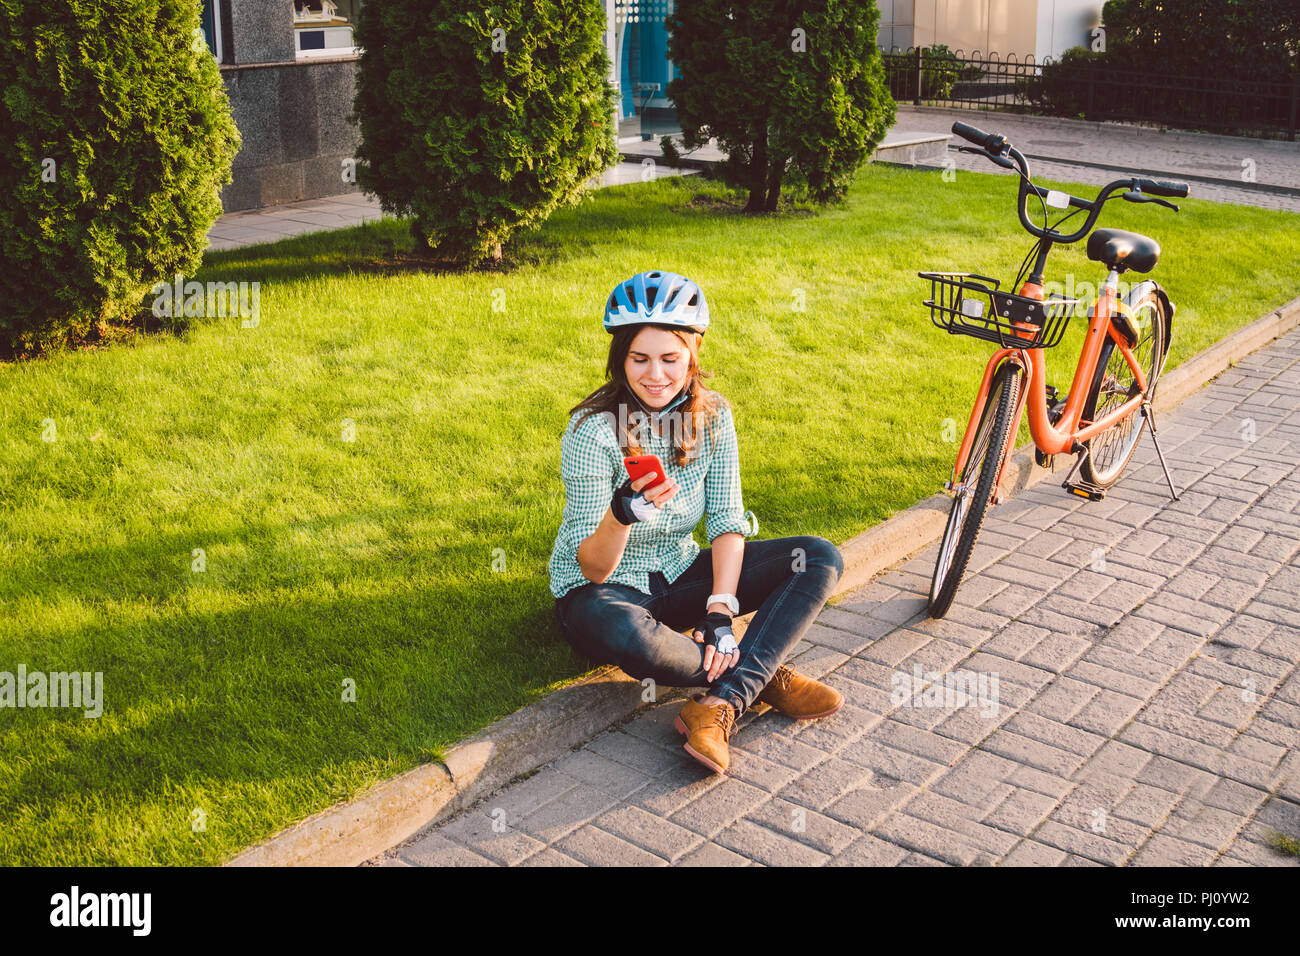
column 1146, row 709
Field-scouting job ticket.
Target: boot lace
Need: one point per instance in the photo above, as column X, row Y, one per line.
column 725, row 719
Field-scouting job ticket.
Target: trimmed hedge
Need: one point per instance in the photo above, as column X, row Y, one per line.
column 1259, row 39
column 115, row 140
column 1242, row 58
column 480, row 121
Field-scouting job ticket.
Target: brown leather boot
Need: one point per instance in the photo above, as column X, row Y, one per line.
column 800, row 697
column 707, row 729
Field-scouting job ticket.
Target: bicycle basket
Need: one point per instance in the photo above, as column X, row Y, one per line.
column 963, row 303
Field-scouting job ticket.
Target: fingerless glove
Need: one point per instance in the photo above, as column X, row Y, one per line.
column 630, row 506
column 716, row 628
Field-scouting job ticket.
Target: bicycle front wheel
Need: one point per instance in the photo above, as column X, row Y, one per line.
column 1114, row 383
column 975, row 487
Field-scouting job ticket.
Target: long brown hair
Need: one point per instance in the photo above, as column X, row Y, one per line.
column 617, row 401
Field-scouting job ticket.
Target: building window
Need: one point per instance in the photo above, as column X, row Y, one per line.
column 323, row 28
column 210, row 24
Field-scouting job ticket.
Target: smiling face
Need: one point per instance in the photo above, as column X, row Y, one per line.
column 657, row 367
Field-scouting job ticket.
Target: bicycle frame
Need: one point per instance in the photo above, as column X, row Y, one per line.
column 1023, row 326
column 1070, row 431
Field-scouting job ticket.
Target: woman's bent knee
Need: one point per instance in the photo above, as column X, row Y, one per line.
column 603, row 627
column 823, row 553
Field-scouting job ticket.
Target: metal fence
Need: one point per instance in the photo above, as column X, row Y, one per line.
column 1095, row 91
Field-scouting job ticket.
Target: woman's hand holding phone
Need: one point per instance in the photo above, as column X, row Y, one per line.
column 649, row 477
column 658, row 494
column 646, row 488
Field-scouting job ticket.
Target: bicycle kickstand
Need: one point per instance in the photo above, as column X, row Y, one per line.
column 1151, row 417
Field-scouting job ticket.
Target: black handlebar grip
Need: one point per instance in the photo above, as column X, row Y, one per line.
column 1159, row 187
column 976, row 136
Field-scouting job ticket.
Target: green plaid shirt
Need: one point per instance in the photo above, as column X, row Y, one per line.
column 591, row 464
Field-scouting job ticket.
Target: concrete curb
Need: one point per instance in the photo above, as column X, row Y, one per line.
column 396, row 809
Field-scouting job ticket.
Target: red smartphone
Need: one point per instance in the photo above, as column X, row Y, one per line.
column 645, row 465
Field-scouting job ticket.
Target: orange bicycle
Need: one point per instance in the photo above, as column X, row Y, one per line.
column 1123, row 354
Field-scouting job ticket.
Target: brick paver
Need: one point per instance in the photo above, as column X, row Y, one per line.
column 1129, row 693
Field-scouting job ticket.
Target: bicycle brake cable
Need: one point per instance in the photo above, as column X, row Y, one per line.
column 1030, row 183
column 1024, row 266
column 1066, row 218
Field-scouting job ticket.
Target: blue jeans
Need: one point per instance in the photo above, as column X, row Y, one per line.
column 640, row 633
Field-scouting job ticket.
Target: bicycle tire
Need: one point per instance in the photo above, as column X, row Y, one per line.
column 966, row 517
column 1112, row 384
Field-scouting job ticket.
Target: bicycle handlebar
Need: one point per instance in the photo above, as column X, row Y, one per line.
column 998, row 149
column 1159, row 187
column 977, row 136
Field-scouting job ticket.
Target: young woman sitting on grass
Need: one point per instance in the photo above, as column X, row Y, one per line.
column 626, row 573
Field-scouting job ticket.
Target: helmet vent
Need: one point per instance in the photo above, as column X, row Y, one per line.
column 650, row 296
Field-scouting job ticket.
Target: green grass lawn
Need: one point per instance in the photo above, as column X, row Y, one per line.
column 372, row 560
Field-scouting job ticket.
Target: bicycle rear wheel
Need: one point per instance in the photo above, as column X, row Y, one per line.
column 1114, row 383
column 975, row 486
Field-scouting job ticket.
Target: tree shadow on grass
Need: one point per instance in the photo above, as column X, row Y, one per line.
column 159, row 569
column 385, row 247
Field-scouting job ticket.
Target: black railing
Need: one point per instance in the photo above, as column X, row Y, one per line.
column 1095, row 91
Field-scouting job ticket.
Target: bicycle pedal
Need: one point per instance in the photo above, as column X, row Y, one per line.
column 1084, row 490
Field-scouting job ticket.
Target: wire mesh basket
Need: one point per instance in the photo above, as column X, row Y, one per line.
column 963, row 303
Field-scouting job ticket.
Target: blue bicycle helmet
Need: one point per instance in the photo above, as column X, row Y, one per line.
column 657, row 298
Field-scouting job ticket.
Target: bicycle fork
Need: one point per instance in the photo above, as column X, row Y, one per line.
column 1020, row 358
